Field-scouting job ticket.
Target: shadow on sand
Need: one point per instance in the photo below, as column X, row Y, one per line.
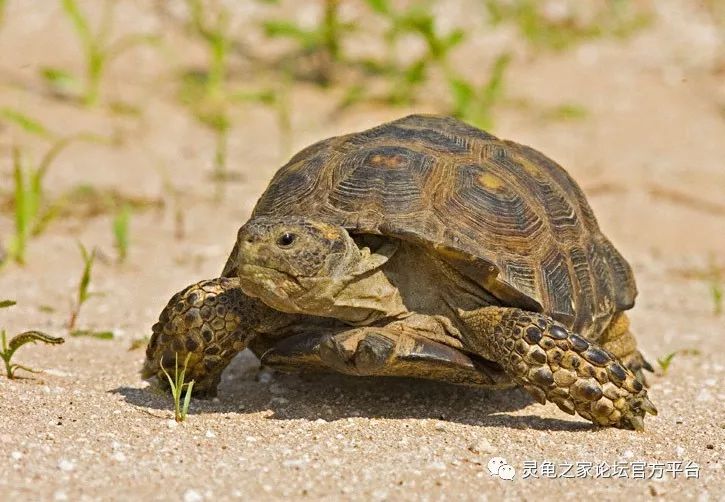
column 336, row 397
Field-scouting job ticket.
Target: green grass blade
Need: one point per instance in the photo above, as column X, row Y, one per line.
column 86, row 276
column 7, row 303
column 664, row 362
column 60, row 81
column 120, row 232
column 80, row 23
column 22, row 209
column 187, row 400
column 379, row 6
column 101, row 335
column 27, row 123
column 172, row 385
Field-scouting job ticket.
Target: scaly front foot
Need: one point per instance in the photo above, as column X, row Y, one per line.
column 553, row 364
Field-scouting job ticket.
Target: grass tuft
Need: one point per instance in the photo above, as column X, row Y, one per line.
column 98, row 53
column 177, row 385
column 665, row 361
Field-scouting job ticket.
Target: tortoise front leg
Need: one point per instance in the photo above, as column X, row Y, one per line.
column 211, row 321
column 552, row 363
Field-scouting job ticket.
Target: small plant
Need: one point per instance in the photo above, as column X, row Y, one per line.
column 28, row 198
column 82, row 295
column 419, row 21
column 665, row 361
column 8, row 349
column 321, row 43
column 560, row 29
column 177, row 385
column 473, row 104
column 205, row 92
column 98, row 52
column 567, row 111
column 717, row 296
column 120, row 232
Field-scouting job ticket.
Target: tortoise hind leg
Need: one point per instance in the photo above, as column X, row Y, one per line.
column 618, row 340
column 392, row 350
column 551, row 363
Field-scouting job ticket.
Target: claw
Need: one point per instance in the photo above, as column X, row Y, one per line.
column 648, row 406
column 637, row 423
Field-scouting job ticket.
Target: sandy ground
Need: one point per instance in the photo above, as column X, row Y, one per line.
column 649, row 154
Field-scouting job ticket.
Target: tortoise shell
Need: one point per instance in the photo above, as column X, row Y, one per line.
column 505, row 214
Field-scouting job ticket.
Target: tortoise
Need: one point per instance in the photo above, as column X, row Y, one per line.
column 423, row 247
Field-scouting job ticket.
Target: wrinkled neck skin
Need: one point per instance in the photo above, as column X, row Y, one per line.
column 352, row 288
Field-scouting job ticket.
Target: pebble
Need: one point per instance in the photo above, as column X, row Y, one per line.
column 210, row 434
column 294, row 462
column 172, row 424
column 66, row 465
column 483, row 446
column 192, row 496
column 437, row 465
column 16, row 455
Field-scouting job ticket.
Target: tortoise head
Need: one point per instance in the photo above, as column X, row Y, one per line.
column 290, row 262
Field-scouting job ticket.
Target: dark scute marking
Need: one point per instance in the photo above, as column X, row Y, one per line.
column 538, row 356
column 168, row 359
column 596, row 356
column 191, row 344
column 558, row 283
column 617, row 372
column 585, row 297
column 449, row 124
column 207, row 334
column 547, row 344
column 205, row 312
column 578, row 343
column 625, row 289
column 533, row 334
column 637, row 385
column 543, row 376
column 430, row 138
column 558, row 333
column 360, row 186
column 291, row 187
column 589, row 391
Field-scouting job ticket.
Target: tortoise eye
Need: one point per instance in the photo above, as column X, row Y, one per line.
column 286, row 239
